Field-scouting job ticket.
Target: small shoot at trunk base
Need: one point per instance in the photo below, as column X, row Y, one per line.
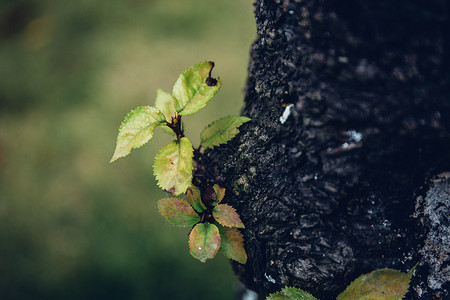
column 202, row 210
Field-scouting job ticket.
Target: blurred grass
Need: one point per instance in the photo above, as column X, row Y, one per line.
column 73, row 226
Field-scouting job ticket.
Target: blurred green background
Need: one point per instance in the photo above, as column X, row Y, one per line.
column 73, row 226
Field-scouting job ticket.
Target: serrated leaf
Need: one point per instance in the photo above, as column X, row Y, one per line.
column 291, row 293
column 232, row 244
column 178, row 212
column 194, row 88
column 221, row 131
column 220, row 192
column 227, row 216
column 166, row 104
column 173, row 166
column 193, row 196
column 204, row 241
column 209, row 196
column 384, row 284
column 137, row 129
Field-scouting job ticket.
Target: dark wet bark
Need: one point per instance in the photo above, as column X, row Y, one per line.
column 348, row 182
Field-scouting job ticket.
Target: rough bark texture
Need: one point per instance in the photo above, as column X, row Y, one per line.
column 349, row 182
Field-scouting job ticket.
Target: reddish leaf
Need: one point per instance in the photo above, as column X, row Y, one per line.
column 232, row 244
column 209, row 196
column 204, row 241
column 227, row 216
column 178, row 212
column 220, row 192
column 194, row 199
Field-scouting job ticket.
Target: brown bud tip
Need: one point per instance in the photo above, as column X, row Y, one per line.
column 211, row 81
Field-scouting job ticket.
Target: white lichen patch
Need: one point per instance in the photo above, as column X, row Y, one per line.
column 436, row 250
column 269, row 278
column 354, row 140
column 355, row 136
column 286, row 113
column 343, row 59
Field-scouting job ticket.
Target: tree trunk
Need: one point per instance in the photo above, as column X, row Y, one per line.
column 342, row 169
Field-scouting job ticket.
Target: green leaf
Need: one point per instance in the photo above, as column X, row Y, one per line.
column 167, row 129
column 194, row 88
column 384, row 284
column 166, row 104
column 178, row 212
column 137, row 129
column 173, row 166
column 221, row 131
column 220, row 192
column 232, row 244
column 194, row 198
column 227, row 216
column 204, row 241
column 291, row 293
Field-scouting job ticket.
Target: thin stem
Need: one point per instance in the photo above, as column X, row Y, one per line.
column 175, row 125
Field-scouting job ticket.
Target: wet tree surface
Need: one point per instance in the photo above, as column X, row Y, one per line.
column 342, row 169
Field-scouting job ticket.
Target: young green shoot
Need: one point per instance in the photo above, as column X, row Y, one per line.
column 215, row 225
